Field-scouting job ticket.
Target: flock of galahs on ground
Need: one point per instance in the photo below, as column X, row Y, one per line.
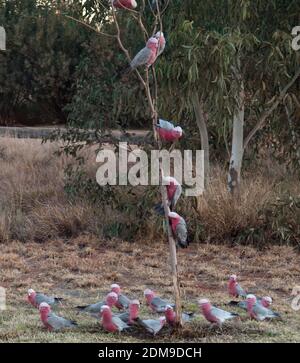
column 257, row 308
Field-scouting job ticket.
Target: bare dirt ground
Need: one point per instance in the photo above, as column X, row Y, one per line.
column 81, row 271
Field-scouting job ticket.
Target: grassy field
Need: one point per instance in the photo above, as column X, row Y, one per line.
column 55, row 245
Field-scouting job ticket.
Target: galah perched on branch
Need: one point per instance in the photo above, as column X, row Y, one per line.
column 156, row 303
column 129, row 317
column 179, row 229
column 174, row 191
column 265, row 301
column 234, row 289
column 215, row 315
column 36, row 298
column 94, row 309
column 257, row 311
column 161, row 42
column 145, row 57
column 168, row 132
column 153, row 326
column 171, row 316
column 110, row 322
column 123, row 301
column 52, row 321
column 124, row 4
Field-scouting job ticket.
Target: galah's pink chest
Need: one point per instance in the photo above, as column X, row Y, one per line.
column 232, row 288
column 152, row 57
column 171, row 189
column 109, row 325
column 170, row 315
column 174, row 223
column 210, row 317
column 168, row 135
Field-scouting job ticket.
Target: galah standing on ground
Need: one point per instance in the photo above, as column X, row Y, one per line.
column 36, row 298
column 145, row 57
column 124, row 4
column 234, row 289
column 257, row 311
column 153, row 326
column 53, row 321
column 215, row 315
column 161, row 42
column 156, row 303
column 174, row 191
column 168, row 132
column 171, row 315
column 110, row 322
column 129, row 317
column 123, row 301
column 265, row 301
column 179, row 229
column 94, row 309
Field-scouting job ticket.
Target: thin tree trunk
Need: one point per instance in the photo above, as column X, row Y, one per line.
column 201, row 121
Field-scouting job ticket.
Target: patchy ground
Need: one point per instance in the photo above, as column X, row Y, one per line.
column 82, row 270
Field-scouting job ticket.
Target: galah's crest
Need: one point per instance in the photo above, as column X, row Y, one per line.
column 174, row 191
column 179, row 229
column 52, row 321
column 168, row 132
column 123, row 301
column 234, row 288
column 258, row 311
column 36, row 298
column 156, row 303
column 94, row 309
column 124, row 4
column 110, row 322
column 213, row 314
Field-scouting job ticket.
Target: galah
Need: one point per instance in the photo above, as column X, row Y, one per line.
column 129, row 317
column 265, row 301
column 156, row 303
column 123, row 301
column 179, row 229
column 213, row 314
column 36, row 298
column 94, row 309
column 145, row 57
column 234, row 288
column 168, row 132
column 52, row 321
column 171, row 315
column 258, row 311
column 110, row 322
column 153, row 326
column 161, row 42
column 124, row 4
column 174, row 191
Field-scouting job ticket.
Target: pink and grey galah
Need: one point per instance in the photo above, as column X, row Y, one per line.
column 52, row 321
column 234, row 288
column 123, row 301
column 161, row 42
column 174, row 191
column 213, row 314
column 265, row 301
column 153, row 326
column 171, row 316
column 110, row 322
column 168, row 132
column 156, row 303
column 257, row 311
column 124, row 4
column 179, row 229
column 94, row 309
column 36, row 298
column 130, row 316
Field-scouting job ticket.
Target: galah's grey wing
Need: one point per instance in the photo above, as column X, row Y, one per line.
column 141, row 58
column 93, row 308
column 153, row 326
column 222, row 315
column 58, row 322
column 165, row 124
column 160, row 304
column 176, row 196
column 181, row 233
column 120, row 323
column 263, row 313
column 240, row 291
column 186, row 317
column 242, row 305
column 124, row 317
column 124, row 301
column 39, row 298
